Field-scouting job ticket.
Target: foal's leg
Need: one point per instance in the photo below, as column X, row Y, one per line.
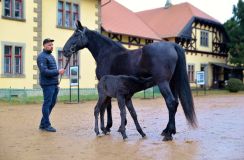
column 121, row 103
column 97, row 109
column 134, row 116
column 109, row 115
column 102, row 111
column 172, row 107
column 175, row 94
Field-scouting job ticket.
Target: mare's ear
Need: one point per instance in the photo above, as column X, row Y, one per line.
column 78, row 25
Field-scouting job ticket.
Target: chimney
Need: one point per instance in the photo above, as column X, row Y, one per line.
column 168, row 4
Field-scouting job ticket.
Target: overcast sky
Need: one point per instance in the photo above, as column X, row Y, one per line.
column 219, row 9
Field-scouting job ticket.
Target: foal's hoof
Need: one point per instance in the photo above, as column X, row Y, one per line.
column 106, row 133
column 125, row 138
column 143, row 135
column 99, row 135
column 167, row 138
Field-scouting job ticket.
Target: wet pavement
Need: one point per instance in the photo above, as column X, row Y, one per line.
column 220, row 134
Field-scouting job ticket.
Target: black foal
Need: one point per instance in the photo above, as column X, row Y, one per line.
column 123, row 88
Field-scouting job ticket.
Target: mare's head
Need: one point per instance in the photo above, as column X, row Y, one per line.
column 77, row 41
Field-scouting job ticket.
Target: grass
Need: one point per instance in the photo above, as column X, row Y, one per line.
column 92, row 97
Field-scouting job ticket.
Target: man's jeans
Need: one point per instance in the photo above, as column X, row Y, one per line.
column 50, row 96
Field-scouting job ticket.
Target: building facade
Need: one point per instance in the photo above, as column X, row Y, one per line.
column 24, row 24
column 122, row 25
column 202, row 36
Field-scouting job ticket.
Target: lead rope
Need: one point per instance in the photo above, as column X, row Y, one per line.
column 66, row 65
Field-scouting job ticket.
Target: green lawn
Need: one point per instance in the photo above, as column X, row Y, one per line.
column 90, row 97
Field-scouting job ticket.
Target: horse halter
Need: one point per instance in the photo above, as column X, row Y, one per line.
column 73, row 47
column 82, row 34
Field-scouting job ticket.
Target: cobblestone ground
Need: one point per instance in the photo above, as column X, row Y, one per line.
column 220, row 134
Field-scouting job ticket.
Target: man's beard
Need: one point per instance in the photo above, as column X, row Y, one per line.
column 48, row 51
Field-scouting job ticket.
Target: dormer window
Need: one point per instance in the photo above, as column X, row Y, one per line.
column 204, row 39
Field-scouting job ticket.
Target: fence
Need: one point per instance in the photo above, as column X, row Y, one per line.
column 13, row 95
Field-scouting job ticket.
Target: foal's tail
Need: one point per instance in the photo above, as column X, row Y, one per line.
column 183, row 87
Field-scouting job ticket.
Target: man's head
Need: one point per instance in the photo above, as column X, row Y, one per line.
column 48, row 44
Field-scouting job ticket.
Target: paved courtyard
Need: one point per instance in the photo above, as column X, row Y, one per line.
column 220, row 134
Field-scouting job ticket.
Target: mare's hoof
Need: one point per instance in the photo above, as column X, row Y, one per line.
column 107, row 129
column 163, row 134
column 166, row 132
column 168, row 138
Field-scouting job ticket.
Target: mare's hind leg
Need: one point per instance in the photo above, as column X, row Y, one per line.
column 172, row 107
column 175, row 94
column 102, row 111
column 134, row 116
column 109, row 115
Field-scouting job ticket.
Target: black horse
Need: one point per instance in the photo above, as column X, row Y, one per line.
column 123, row 88
column 163, row 61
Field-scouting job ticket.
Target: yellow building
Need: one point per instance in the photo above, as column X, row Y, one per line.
column 24, row 24
column 202, row 36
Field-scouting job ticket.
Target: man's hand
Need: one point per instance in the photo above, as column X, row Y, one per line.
column 61, row 71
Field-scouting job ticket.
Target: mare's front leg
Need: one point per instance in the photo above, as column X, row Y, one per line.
column 121, row 103
column 97, row 109
column 96, row 112
column 102, row 111
column 134, row 116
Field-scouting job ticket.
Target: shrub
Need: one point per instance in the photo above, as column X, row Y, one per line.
column 234, row 85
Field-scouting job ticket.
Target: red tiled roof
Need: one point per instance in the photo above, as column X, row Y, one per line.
column 169, row 22
column 118, row 19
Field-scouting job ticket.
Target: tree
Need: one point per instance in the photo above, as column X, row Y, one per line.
column 235, row 30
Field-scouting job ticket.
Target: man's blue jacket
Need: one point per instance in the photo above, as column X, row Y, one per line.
column 48, row 69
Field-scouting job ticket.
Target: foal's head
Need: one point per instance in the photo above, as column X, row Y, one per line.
column 77, row 41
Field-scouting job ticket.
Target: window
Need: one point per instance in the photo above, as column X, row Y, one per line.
column 18, row 62
column 62, row 61
column 60, row 13
column 8, row 59
column 7, row 8
column 13, row 8
column 191, row 72
column 75, row 13
column 68, row 13
column 204, row 38
column 13, row 59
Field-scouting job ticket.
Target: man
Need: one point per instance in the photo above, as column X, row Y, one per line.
column 49, row 82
